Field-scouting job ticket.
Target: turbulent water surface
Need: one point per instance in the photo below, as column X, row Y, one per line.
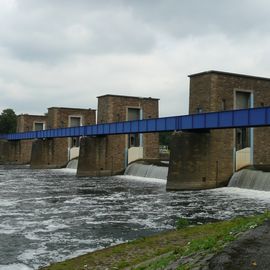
column 51, row 215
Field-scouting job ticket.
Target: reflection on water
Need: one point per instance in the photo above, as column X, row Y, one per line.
column 51, row 215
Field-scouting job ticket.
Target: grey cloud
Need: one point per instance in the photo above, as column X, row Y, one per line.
column 55, row 30
column 66, row 52
column 50, row 31
column 192, row 17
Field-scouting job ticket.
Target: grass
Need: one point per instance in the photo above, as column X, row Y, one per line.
column 158, row 251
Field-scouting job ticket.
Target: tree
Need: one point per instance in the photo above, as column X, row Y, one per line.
column 165, row 138
column 8, row 121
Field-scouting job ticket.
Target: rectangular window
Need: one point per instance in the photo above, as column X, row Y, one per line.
column 134, row 139
column 223, row 105
column 133, row 114
column 242, row 100
column 243, row 137
column 39, row 126
column 75, row 121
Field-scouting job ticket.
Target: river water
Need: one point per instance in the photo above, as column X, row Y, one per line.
column 51, row 215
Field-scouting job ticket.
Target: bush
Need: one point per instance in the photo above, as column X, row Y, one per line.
column 182, row 223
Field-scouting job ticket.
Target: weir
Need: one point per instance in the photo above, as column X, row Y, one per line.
column 73, row 164
column 221, row 134
column 146, row 170
column 251, row 179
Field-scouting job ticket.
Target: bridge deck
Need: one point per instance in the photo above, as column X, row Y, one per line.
column 256, row 117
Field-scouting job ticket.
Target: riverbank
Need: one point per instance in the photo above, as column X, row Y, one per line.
column 189, row 247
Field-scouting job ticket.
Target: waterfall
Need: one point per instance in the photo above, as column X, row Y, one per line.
column 149, row 171
column 251, row 179
column 73, row 164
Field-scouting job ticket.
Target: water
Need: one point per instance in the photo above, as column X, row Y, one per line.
column 148, row 171
column 251, row 179
column 50, row 215
column 73, row 164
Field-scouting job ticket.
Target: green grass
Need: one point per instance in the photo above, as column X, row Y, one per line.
column 158, row 251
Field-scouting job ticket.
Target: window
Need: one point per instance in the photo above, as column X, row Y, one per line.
column 223, row 105
column 75, row 121
column 134, row 139
column 39, row 126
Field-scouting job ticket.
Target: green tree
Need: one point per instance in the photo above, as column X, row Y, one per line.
column 8, row 121
column 165, row 138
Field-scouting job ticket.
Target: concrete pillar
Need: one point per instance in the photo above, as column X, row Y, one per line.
column 92, row 158
column 49, row 154
column 4, row 151
column 198, row 161
column 15, row 152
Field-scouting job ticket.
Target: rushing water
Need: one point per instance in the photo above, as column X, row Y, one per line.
column 51, row 215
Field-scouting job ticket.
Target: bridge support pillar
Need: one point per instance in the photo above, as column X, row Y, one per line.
column 49, row 153
column 15, row 152
column 199, row 161
column 92, row 158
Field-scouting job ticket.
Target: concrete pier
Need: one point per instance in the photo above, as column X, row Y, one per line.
column 92, row 159
column 198, row 162
column 15, row 152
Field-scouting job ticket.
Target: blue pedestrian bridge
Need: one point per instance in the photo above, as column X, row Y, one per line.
column 255, row 117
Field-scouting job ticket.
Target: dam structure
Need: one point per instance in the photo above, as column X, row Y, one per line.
column 227, row 129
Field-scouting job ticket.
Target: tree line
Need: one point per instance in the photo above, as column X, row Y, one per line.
column 8, row 121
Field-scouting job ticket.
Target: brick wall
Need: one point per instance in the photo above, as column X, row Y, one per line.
column 113, row 108
column 25, row 122
column 59, row 117
column 53, row 153
column 19, row 152
column 210, row 91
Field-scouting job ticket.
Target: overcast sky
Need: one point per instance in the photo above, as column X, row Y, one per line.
column 68, row 52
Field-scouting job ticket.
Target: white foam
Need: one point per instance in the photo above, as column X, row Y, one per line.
column 142, row 179
column 7, row 229
column 30, row 254
column 16, row 266
column 245, row 193
column 66, row 170
column 31, row 236
column 5, row 203
column 76, row 200
column 56, row 226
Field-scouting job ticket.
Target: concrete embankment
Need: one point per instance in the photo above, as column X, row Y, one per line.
column 191, row 247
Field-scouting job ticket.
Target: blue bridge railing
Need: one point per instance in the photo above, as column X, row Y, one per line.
column 256, row 117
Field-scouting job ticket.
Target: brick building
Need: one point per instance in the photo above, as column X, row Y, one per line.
column 209, row 159
column 19, row 152
column 114, row 152
column 28, row 122
column 56, row 152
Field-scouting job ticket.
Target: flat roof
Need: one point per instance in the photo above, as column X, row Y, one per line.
column 32, row 115
column 228, row 74
column 69, row 108
column 109, row 95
